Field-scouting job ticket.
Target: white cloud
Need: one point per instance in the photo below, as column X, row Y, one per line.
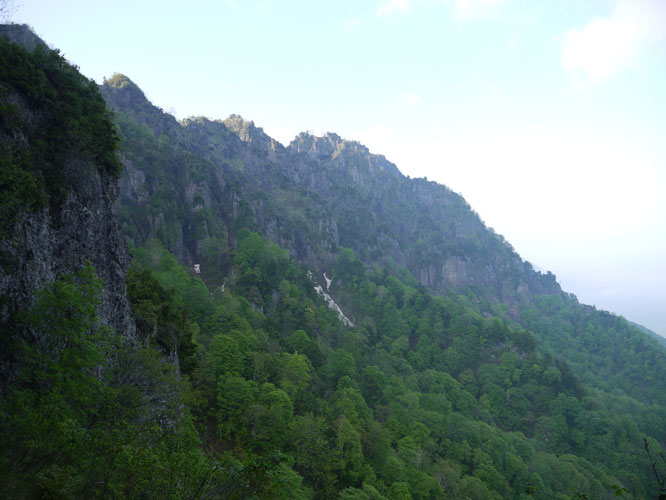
column 608, row 45
column 599, row 49
column 391, row 6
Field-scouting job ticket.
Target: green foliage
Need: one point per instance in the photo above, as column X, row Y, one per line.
column 83, row 419
column 189, row 293
column 659, row 477
column 603, row 349
column 424, row 397
column 268, row 476
column 59, row 116
column 160, row 320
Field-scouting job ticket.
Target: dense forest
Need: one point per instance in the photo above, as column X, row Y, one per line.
column 305, row 322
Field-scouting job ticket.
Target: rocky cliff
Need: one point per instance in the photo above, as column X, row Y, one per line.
column 59, row 182
column 59, row 239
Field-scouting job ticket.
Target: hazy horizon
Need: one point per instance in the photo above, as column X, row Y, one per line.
column 547, row 118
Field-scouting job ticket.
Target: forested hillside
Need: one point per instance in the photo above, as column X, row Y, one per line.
column 306, row 322
column 327, row 201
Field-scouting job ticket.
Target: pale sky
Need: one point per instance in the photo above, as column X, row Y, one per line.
column 549, row 117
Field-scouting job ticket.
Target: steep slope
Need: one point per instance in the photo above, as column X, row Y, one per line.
column 421, row 225
column 320, row 193
column 59, row 182
column 659, row 338
column 217, row 180
column 388, row 243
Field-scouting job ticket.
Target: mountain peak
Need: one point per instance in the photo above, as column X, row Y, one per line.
column 247, row 131
column 120, row 81
column 235, row 121
column 122, row 94
column 323, row 147
column 351, row 154
column 126, row 93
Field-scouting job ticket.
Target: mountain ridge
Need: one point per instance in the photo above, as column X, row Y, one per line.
column 322, row 165
column 320, row 195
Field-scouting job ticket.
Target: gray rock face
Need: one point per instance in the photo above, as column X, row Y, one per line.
column 61, row 239
column 455, row 271
column 58, row 240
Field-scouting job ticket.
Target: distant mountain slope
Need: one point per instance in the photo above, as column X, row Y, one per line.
column 193, row 183
column 320, row 193
column 659, row 338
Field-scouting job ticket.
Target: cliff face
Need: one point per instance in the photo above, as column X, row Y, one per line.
column 60, row 239
column 59, row 184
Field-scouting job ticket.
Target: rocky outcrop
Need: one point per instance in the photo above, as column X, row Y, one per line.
column 60, row 239
column 122, row 93
column 248, row 132
column 339, row 159
column 454, row 271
